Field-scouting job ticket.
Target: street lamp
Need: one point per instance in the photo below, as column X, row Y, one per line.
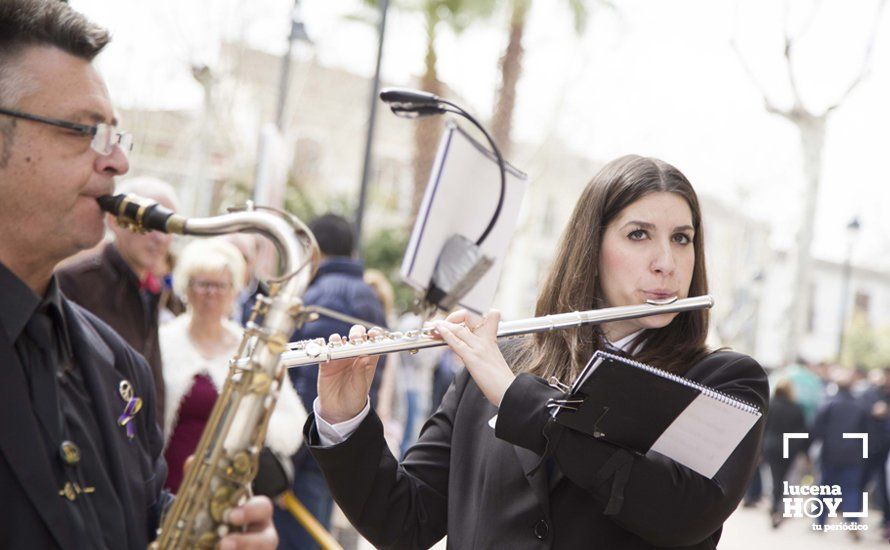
column 852, row 233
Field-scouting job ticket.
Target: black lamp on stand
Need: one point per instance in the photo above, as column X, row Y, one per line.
column 461, row 263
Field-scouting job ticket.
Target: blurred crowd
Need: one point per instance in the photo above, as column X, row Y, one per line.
column 825, row 401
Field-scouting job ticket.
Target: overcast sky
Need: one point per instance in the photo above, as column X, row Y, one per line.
column 655, row 77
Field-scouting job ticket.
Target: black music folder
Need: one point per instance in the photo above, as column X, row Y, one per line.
column 642, row 408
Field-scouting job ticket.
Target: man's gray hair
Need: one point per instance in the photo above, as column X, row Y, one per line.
column 26, row 23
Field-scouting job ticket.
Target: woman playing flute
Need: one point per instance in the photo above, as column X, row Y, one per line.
column 491, row 468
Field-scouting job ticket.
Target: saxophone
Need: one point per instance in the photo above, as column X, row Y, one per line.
column 226, row 458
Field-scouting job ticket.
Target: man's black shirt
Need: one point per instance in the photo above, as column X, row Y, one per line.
column 63, row 408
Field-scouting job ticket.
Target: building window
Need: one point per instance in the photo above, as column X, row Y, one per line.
column 861, row 305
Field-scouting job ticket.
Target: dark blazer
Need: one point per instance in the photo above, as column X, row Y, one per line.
column 840, row 414
column 489, row 488
column 33, row 515
column 785, row 416
column 104, row 284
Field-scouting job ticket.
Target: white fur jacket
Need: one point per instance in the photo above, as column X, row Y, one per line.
column 181, row 362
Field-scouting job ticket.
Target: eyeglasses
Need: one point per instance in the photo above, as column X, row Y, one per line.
column 105, row 136
column 207, row 287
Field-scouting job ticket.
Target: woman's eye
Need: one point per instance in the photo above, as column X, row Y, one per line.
column 637, row 235
column 682, row 238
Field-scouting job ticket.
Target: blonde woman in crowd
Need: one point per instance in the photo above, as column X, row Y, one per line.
column 196, row 347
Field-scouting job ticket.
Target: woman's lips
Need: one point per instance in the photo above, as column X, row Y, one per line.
column 659, row 294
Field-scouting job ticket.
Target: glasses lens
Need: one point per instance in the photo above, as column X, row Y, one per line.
column 107, row 137
column 102, row 139
column 125, row 141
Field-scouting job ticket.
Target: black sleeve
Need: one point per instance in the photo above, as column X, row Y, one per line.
column 651, row 496
column 393, row 505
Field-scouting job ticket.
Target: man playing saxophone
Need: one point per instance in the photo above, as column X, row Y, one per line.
column 81, row 462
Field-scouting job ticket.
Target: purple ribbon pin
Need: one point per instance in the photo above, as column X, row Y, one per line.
column 133, row 406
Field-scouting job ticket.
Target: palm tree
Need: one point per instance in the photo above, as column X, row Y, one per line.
column 510, row 65
column 457, row 15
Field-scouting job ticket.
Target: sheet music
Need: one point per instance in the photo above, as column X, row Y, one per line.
column 461, row 198
column 705, row 434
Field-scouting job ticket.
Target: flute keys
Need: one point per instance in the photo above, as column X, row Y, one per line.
column 312, row 349
column 376, row 334
column 335, row 341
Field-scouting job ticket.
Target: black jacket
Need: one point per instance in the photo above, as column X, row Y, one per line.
column 105, row 285
column 785, row 416
column 487, row 488
column 33, row 514
column 840, row 414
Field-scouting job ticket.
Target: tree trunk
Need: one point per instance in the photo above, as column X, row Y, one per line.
column 427, row 130
column 511, row 68
column 812, row 138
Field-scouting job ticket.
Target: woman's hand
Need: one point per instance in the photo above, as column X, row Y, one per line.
column 343, row 385
column 255, row 516
column 474, row 340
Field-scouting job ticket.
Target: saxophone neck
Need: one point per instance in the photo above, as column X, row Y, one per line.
column 297, row 250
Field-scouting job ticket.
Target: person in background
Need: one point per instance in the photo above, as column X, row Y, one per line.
column 339, row 286
column 119, row 283
column 387, row 397
column 249, row 246
column 197, row 346
column 785, row 416
column 415, row 383
column 841, row 458
column 876, row 400
column 81, row 465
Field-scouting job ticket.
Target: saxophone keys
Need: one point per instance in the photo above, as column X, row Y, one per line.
column 260, row 383
column 220, row 503
column 207, row 541
column 241, row 463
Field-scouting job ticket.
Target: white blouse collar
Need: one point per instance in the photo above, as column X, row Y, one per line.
column 624, row 343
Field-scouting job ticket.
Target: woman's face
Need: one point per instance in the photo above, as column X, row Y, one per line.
column 210, row 294
column 647, row 254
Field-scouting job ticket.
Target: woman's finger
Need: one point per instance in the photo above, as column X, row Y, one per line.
column 488, row 328
column 457, row 316
column 456, row 343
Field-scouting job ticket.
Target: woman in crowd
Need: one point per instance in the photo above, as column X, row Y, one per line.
column 196, row 348
column 785, row 416
column 492, row 469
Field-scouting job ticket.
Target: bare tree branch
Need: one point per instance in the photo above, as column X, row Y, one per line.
column 768, row 104
column 790, row 41
column 865, row 68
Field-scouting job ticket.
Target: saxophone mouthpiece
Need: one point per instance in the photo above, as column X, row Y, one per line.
column 141, row 214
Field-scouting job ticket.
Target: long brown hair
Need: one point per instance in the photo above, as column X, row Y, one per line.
column 573, row 283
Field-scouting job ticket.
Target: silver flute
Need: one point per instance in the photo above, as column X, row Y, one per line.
column 310, row 352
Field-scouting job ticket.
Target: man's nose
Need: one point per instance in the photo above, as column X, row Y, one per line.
column 114, row 163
